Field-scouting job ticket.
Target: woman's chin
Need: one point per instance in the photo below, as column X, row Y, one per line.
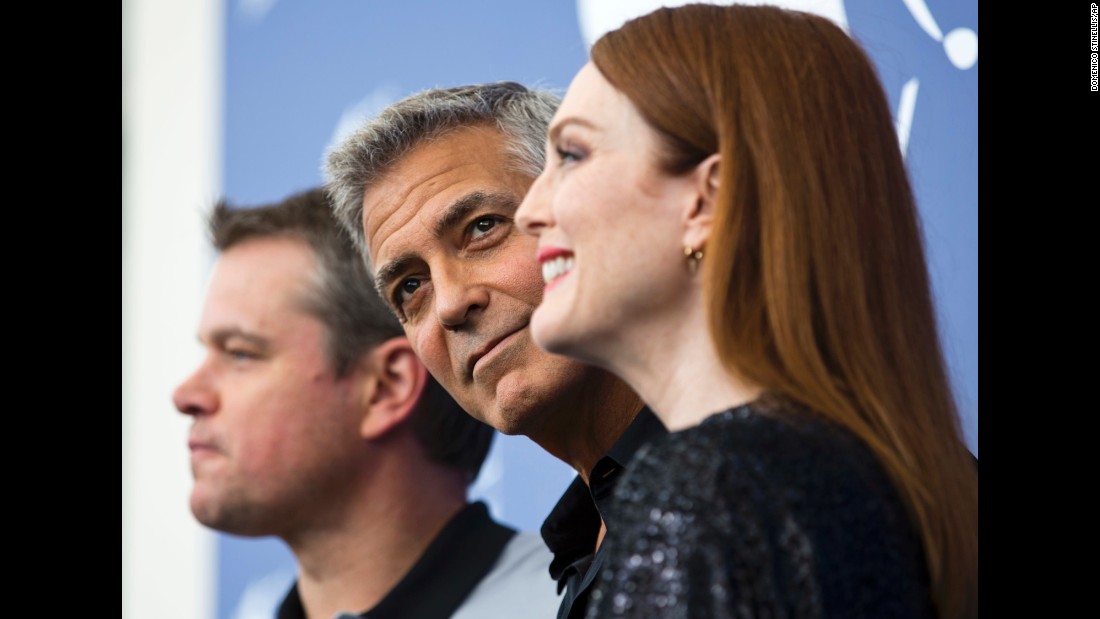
column 551, row 331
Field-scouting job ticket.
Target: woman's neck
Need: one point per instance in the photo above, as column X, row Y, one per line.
column 677, row 372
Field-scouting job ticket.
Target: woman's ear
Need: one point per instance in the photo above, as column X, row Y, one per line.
column 398, row 379
column 699, row 217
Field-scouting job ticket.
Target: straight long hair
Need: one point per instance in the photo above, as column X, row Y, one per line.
column 815, row 277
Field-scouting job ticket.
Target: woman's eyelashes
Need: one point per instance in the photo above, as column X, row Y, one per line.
column 569, row 154
column 569, row 150
column 566, row 156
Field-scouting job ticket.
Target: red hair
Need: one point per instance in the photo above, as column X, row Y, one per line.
column 815, row 277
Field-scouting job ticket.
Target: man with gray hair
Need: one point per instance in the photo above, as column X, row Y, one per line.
column 429, row 190
column 314, row 421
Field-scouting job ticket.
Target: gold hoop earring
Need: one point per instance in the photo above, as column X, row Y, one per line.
column 693, row 257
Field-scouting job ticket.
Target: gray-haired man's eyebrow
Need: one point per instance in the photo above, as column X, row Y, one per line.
column 461, row 208
column 453, row 215
column 389, row 272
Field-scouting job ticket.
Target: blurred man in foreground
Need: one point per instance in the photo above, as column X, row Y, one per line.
column 315, row 422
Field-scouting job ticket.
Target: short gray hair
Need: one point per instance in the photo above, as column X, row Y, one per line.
column 521, row 114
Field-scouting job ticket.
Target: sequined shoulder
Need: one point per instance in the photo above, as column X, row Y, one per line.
column 752, row 515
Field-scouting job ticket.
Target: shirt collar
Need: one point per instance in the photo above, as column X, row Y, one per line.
column 571, row 529
column 452, row 565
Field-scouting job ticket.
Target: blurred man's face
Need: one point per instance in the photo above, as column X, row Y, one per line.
column 275, row 433
column 463, row 279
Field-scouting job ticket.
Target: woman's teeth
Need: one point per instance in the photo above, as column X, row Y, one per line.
column 556, row 267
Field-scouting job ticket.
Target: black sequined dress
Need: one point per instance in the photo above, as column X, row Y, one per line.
column 760, row 515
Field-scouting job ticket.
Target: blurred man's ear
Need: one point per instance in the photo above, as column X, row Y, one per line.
column 397, row 378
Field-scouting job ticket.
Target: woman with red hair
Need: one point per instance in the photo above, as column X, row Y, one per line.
column 725, row 221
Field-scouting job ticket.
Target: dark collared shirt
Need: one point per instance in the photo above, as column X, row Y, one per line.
column 453, row 564
column 571, row 529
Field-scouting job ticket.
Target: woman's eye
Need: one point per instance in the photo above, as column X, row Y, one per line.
column 568, row 155
column 239, row 355
column 482, row 226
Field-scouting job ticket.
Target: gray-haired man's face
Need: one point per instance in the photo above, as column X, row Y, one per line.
column 464, row 280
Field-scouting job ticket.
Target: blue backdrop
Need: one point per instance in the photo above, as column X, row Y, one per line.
column 300, row 74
